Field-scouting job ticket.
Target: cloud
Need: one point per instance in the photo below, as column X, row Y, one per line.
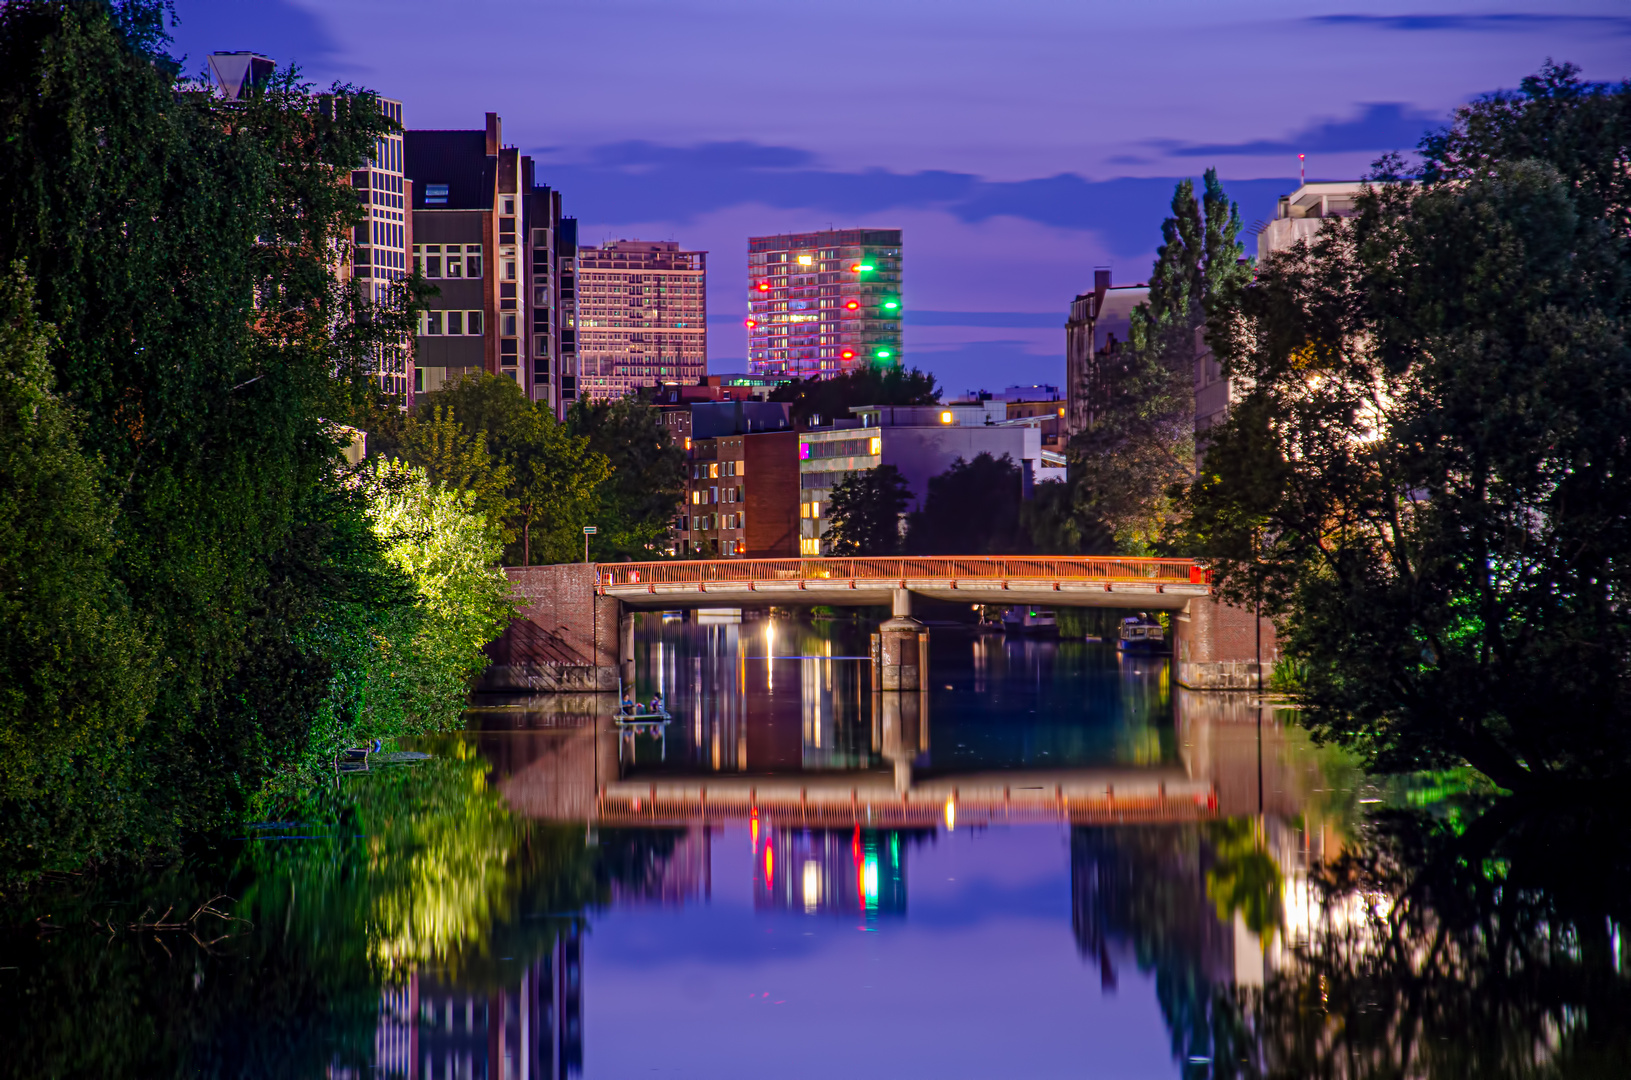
column 646, row 182
column 1386, row 125
column 1515, row 21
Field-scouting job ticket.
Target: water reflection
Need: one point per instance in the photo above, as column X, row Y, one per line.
column 1050, row 862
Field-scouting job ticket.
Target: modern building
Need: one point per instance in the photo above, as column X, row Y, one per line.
column 922, row 441
column 642, row 316
column 823, row 303
column 742, row 481
column 1298, row 216
column 1094, row 336
column 485, row 233
column 380, row 245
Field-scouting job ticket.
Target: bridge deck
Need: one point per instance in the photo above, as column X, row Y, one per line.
column 1055, row 581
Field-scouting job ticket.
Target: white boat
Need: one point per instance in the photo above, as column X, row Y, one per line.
column 1140, row 633
column 1029, row 620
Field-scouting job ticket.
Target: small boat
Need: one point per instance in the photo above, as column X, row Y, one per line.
column 1029, row 620
column 1140, row 633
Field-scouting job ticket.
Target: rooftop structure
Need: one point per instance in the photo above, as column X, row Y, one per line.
column 1298, row 216
column 1094, row 334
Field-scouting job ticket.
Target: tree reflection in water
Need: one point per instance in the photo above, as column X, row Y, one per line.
column 1463, row 945
column 403, row 872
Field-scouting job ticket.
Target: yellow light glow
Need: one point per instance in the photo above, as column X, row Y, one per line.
column 951, row 815
column 876, row 447
column 945, row 417
column 812, row 885
column 805, row 260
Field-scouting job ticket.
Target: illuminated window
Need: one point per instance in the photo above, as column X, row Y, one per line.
column 945, row 417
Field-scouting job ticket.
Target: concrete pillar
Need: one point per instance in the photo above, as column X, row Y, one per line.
column 901, row 649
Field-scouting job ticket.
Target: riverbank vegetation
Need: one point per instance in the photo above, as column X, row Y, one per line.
column 1425, row 476
column 201, row 601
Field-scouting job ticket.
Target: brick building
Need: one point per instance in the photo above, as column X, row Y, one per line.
column 742, row 481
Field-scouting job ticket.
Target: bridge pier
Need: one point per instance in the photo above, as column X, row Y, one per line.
column 1222, row 647
column 900, row 648
column 625, row 648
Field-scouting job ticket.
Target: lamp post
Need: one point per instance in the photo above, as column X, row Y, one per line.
column 588, row 531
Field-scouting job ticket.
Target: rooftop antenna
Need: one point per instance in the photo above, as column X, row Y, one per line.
column 1302, row 168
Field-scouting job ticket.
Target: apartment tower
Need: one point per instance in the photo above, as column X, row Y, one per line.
column 642, row 316
column 485, row 233
column 823, row 303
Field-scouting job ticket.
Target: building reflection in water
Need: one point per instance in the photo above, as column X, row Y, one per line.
column 832, row 871
column 434, row 1027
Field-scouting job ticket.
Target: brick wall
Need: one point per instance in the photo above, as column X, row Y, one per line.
column 1216, row 646
column 561, row 599
column 772, row 494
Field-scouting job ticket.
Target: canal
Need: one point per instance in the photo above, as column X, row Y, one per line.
column 1050, row 862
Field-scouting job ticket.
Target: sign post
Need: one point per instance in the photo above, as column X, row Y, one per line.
column 588, row 531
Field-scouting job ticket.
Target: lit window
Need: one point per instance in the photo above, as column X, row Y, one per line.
column 876, row 447
column 945, row 417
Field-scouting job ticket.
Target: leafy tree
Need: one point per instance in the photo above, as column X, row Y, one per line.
column 79, row 676
column 542, row 482
column 639, row 499
column 972, row 508
column 1427, row 480
column 864, row 512
column 457, row 458
column 1142, row 439
column 183, row 249
column 831, row 399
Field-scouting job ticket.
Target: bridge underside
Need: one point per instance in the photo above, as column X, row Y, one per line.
column 1143, row 595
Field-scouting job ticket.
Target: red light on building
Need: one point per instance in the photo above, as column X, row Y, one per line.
column 752, row 323
column 764, row 286
column 853, row 304
column 847, row 354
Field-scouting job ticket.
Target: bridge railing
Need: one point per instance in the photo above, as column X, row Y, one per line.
column 1008, row 568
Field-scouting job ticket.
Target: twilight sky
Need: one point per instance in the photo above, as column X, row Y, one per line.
column 1019, row 143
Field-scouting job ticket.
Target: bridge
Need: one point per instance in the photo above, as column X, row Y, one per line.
column 1053, row 581
column 576, row 630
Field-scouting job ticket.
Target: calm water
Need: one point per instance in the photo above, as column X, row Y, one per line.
column 1051, row 863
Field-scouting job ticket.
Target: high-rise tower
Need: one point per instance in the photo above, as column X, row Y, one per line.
column 642, row 316
column 823, row 303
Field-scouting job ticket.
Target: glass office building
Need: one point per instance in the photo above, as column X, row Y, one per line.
column 823, row 303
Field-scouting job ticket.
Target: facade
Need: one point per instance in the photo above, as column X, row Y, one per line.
column 1094, row 334
column 484, row 233
column 642, row 316
column 823, row 303
column 1298, row 216
column 921, row 441
column 566, row 267
column 742, row 481
column 381, row 245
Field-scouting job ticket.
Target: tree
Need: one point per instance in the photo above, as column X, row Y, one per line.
column 1428, row 480
column 1142, row 439
column 864, row 512
column 531, row 475
column 972, row 508
column 78, row 672
column 183, row 251
column 831, row 399
column 639, row 499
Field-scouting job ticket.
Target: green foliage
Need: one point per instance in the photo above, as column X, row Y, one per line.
column 79, row 674
column 1427, row 479
column 531, row 476
column 182, row 251
column 831, row 399
column 864, row 512
column 1141, row 440
column 639, row 499
column 973, row 508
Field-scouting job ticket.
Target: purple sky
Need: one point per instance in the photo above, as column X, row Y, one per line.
column 1020, row 143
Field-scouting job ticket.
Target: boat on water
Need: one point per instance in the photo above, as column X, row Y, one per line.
column 1142, row 634
column 1025, row 619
